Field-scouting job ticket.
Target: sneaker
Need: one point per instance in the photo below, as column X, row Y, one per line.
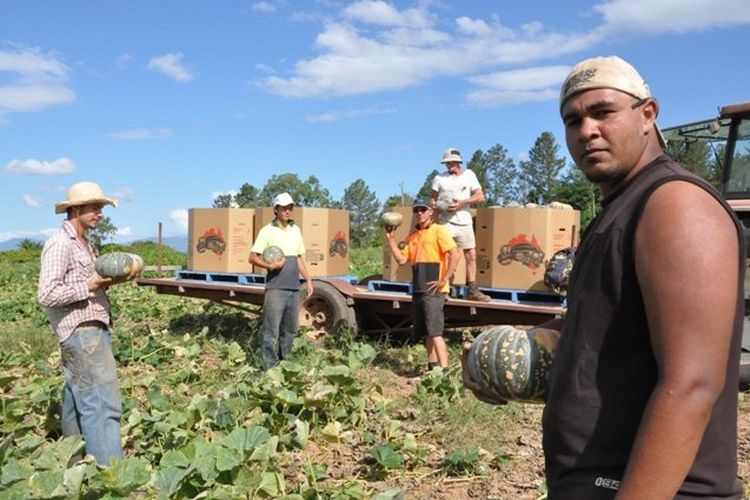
column 475, row 294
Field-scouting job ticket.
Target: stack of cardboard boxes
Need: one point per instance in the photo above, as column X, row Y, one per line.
column 220, row 239
column 514, row 245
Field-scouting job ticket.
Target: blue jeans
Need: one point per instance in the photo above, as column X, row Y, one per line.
column 91, row 399
column 280, row 323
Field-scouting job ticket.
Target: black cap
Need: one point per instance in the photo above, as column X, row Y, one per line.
column 421, row 202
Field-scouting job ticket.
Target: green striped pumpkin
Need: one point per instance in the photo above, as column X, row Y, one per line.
column 272, row 254
column 513, row 364
column 118, row 264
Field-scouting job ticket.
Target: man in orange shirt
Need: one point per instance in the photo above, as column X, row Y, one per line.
column 434, row 256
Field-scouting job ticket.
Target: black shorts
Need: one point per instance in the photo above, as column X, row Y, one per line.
column 427, row 314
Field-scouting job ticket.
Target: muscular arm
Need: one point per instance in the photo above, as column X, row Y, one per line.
column 682, row 230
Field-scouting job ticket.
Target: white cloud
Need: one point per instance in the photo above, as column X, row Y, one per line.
column 40, row 234
column 31, row 201
column 140, row 134
column 470, row 26
column 517, row 86
column 124, row 232
column 374, row 46
column 384, row 14
column 179, row 218
column 264, row 7
column 647, row 16
column 171, row 65
column 123, row 193
column 32, row 80
column 124, row 61
column 31, row 166
column 335, row 116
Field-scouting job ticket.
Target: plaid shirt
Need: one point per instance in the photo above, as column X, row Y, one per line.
column 67, row 267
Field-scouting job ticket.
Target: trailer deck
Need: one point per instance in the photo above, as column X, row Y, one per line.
column 367, row 307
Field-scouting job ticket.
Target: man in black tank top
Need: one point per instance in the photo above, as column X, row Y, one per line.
column 642, row 395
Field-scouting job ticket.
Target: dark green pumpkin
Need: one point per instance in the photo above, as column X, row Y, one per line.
column 118, row 264
column 513, row 364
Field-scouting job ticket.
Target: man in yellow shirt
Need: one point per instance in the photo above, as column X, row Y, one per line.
column 281, row 298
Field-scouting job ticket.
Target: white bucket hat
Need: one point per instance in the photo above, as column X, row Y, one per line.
column 84, row 193
column 451, row 154
column 283, row 200
column 609, row 72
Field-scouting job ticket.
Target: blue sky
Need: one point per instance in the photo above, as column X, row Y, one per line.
column 167, row 103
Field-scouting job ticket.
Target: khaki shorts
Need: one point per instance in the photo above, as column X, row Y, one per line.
column 462, row 235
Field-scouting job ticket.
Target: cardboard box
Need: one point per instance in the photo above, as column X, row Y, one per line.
column 219, row 239
column 514, row 245
column 325, row 232
column 392, row 271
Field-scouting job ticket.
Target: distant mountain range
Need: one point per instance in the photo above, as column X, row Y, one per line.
column 178, row 243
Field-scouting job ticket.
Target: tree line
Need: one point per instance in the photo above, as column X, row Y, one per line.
column 543, row 177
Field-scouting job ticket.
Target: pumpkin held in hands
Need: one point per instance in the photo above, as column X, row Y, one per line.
column 272, row 254
column 117, row 265
column 391, row 220
column 513, row 364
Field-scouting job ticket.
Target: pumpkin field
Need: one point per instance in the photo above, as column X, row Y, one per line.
column 350, row 417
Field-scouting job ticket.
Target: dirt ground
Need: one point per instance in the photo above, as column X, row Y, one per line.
column 521, row 477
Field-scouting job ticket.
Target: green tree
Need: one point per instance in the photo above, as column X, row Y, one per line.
column 29, row 245
column 224, row 201
column 308, row 193
column 399, row 200
column 363, row 206
column 699, row 158
column 426, row 190
column 539, row 174
column 103, row 232
column 575, row 190
column 497, row 174
column 248, row 196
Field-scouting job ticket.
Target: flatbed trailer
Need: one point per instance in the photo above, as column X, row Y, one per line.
column 338, row 302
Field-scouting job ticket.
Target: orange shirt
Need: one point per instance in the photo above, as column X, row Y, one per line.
column 429, row 246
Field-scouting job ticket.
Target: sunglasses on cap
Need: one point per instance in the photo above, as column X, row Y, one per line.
column 419, row 210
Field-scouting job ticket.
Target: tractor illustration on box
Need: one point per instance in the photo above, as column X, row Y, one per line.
column 520, row 249
column 338, row 246
column 212, row 240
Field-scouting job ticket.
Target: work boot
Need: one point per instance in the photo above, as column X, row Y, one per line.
column 474, row 294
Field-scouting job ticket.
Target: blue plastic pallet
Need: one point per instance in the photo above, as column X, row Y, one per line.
column 517, row 296
column 389, row 286
column 238, row 278
column 211, row 277
column 460, row 292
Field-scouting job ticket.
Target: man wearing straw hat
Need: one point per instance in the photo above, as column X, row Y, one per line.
column 78, row 310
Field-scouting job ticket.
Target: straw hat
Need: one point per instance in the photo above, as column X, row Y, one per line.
column 84, row 193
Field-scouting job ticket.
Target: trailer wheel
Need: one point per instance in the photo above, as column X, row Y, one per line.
column 325, row 311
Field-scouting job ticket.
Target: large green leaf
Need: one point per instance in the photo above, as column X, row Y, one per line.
column 246, row 438
column 386, row 456
column 227, row 458
column 169, row 480
column 123, row 476
column 14, row 471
